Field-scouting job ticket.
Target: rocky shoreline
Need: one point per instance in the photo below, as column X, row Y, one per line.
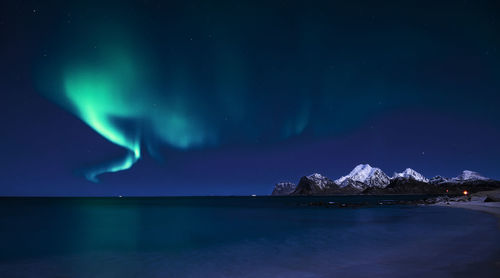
column 485, row 201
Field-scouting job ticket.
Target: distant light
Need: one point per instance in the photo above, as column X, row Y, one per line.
column 253, row 195
column 465, row 192
column 446, row 190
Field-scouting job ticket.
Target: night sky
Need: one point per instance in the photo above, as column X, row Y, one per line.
column 230, row 97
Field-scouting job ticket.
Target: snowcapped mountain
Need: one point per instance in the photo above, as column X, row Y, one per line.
column 315, row 184
column 410, row 174
column 364, row 179
column 319, row 180
column 466, row 177
column 469, row 176
column 354, row 184
column 438, row 180
column 364, row 173
column 283, row 188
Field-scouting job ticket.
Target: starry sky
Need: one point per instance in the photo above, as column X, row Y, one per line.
column 153, row 98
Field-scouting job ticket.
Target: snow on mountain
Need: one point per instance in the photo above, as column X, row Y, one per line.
column 364, row 173
column 283, row 188
column 469, row 176
column 411, row 174
column 315, row 184
column 438, row 180
column 355, row 184
column 320, row 180
column 466, row 176
column 364, row 179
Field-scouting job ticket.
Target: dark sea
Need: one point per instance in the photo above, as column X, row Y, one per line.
column 243, row 237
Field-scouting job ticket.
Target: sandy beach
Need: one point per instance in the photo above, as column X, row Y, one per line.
column 477, row 202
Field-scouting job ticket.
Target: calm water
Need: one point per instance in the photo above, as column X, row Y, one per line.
column 242, row 237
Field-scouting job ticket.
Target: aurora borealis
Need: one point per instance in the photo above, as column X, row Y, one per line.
column 109, row 95
column 195, row 97
column 110, row 88
column 102, row 94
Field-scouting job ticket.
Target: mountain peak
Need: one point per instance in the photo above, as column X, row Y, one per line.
column 409, row 173
column 365, row 179
column 314, row 184
column 366, row 174
column 359, row 173
column 362, row 168
column 468, row 175
column 284, row 188
column 316, row 176
column 319, row 179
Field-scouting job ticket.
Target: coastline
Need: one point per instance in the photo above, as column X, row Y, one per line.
column 476, row 202
column 233, row 235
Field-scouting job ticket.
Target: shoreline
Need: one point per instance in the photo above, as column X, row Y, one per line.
column 493, row 209
column 476, row 203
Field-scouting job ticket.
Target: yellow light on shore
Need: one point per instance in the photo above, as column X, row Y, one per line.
column 465, row 192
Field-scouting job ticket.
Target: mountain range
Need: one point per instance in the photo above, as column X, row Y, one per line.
column 365, row 179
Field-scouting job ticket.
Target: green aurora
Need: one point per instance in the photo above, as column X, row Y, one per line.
column 107, row 91
column 115, row 85
column 148, row 87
